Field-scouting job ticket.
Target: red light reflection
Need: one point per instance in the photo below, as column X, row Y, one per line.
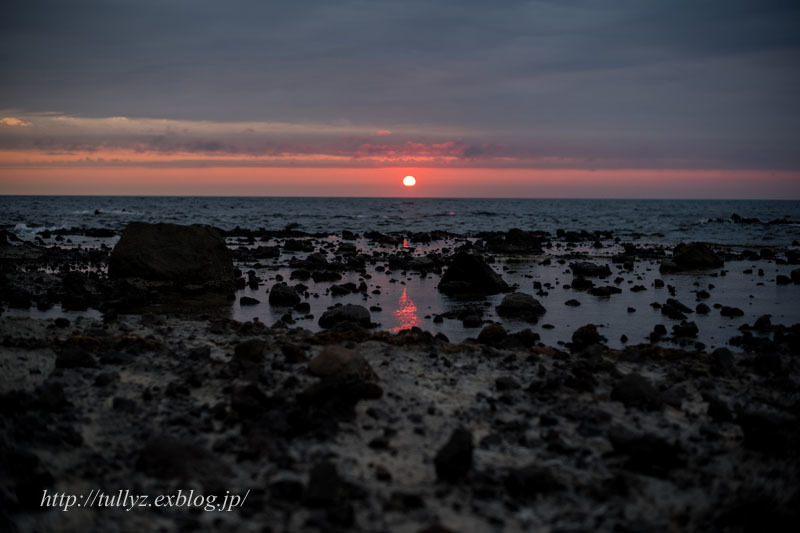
column 406, row 313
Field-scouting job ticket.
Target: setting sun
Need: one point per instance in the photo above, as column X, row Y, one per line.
column 409, row 181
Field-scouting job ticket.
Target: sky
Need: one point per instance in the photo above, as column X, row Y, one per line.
column 544, row 98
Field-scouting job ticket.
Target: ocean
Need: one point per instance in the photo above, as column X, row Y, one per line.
column 655, row 221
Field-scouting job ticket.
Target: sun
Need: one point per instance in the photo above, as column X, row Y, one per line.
column 409, row 181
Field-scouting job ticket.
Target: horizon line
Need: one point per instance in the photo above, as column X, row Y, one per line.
column 686, row 198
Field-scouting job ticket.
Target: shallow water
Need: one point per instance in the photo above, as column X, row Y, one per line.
column 407, row 300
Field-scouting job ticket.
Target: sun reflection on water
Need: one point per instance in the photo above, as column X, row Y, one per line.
column 406, row 313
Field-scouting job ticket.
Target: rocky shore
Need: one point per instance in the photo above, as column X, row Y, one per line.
column 333, row 423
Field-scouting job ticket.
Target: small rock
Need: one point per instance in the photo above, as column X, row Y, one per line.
column 250, row 351
column 281, row 295
column 246, row 300
column 454, row 461
column 492, row 334
column 75, row 358
column 635, row 391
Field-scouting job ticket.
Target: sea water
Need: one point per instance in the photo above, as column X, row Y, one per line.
column 657, row 221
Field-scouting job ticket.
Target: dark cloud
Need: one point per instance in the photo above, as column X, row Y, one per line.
column 679, row 80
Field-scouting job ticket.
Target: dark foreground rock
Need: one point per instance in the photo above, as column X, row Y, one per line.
column 469, row 274
column 186, row 255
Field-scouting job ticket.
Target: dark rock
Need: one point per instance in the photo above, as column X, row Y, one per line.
column 520, row 306
column 338, row 394
column 250, row 351
column 731, row 312
column 248, row 400
column 350, row 313
column 505, row 383
column 169, row 252
column 767, row 364
column 635, row 391
column 702, row 309
column 719, row 411
column 171, row 458
column 581, row 284
column 722, row 362
column 685, row 329
column 589, row 270
column 677, row 305
column 492, row 334
column 604, row 291
column 287, row 488
column 515, row 241
column 648, row 454
column 246, row 300
column 469, row 274
column 782, row 280
column 572, row 303
column 796, row 275
column 586, row 336
column 769, row 433
column 693, row 256
column 333, row 360
column 763, row 323
column 281, row 295
column 529, row 481
column 472, row 321
column 454, row 460
column 70, row 357
column 19, row 299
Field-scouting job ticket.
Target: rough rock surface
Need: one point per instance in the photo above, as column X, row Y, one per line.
column 187, row 255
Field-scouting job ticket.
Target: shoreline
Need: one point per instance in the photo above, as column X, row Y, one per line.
column 496, row 406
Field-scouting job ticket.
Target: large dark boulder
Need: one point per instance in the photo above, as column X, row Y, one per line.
column 470, row 274
column 350, row 313
column 692, row 256
column 186, row 255
column 520, row 306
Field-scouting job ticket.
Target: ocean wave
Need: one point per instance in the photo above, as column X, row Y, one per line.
column 28, row 233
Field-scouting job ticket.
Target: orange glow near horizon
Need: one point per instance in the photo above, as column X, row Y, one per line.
column 358, row 182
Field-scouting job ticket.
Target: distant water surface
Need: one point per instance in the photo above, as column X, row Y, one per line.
column 663, row 221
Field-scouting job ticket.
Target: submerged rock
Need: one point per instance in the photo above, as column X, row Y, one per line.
column 187, row 255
